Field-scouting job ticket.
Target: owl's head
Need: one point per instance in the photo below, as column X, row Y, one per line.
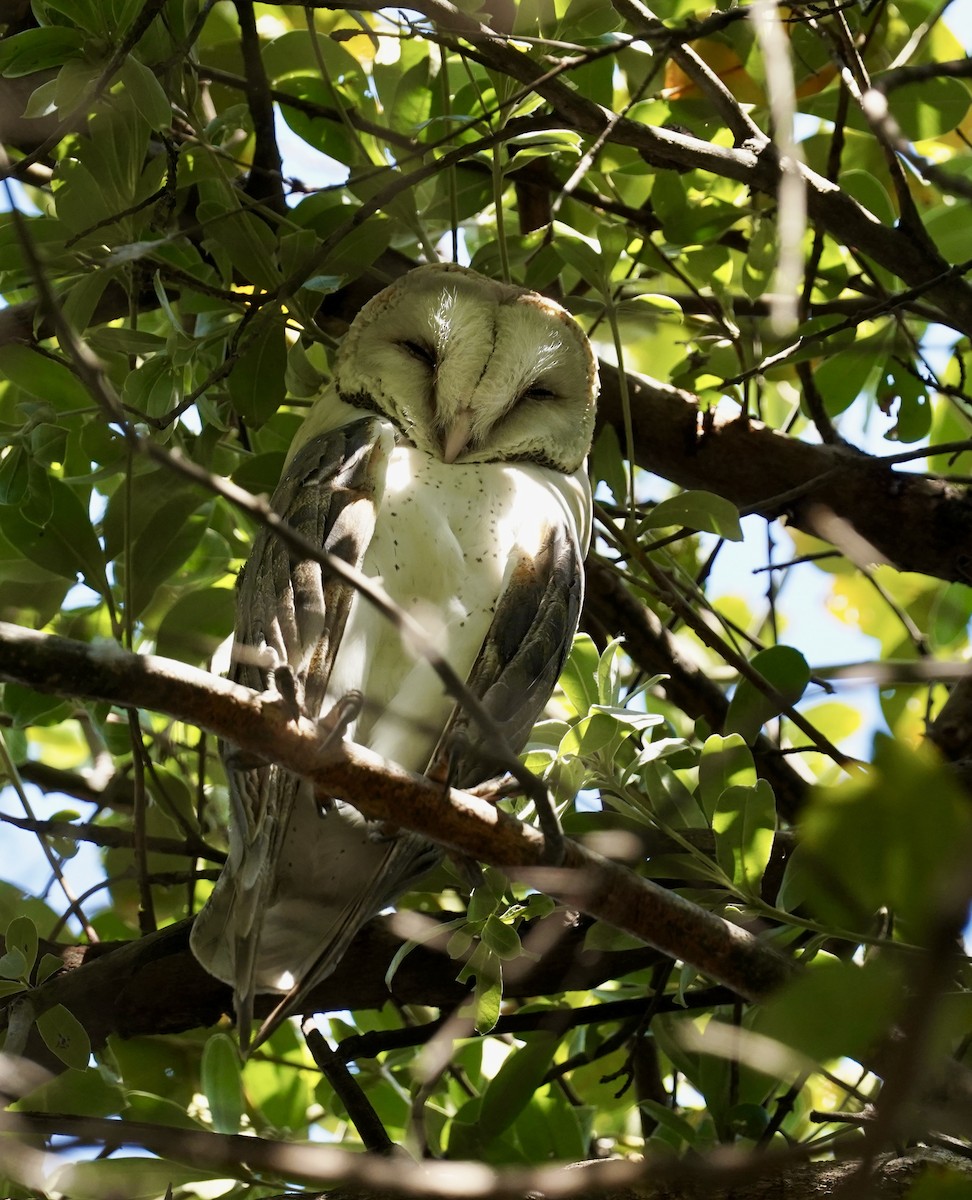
column 471, row 370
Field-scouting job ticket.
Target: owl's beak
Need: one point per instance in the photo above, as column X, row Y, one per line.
column 456, row 436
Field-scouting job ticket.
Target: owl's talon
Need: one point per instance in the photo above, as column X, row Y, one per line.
column 338, row 719
column 237, row 759
column 284, row 683
column 502, row 787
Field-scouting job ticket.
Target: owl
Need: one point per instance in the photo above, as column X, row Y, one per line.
column 447, row 461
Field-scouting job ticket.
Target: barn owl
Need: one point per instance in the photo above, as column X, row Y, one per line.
column 447, row 461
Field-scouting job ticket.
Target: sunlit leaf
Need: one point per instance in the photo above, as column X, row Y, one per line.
column 744, row 821
column 726, row 762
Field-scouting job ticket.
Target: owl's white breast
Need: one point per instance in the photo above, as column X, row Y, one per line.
column 445, row 537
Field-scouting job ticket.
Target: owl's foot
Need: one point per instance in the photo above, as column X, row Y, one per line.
column 495, row 790
column 339, row 718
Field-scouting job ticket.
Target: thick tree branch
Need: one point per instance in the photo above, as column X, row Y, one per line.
column 383, row 791
column 916, row 524
column 747, row 1175
column 154, row 985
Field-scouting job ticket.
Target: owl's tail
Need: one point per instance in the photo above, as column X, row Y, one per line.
column 330, row 928
column 281, row 918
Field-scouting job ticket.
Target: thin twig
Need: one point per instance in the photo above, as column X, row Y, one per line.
column 359, row 1108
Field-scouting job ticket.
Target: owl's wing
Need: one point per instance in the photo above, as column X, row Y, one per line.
column 290, row 619
column 521, row 658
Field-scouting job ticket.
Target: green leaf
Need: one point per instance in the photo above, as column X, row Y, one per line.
column 146, row 92
column 134, row 1178
column 301, row 378
column 948, row 227
column 609, row 673
column 487, row 1002
column 744, row 823
column 584, row 259
column 13, row 965
column 29, row 708
column 501, row 939
column 84, row 1093
column 44, row 377
column 863, row 849
column 786, row 670
column 550, row 1129
column 256, row 382
column 165, row 545
column 251, row 246
column 155, row 387
column 608, row 464
column 42, row 100
column 589, row 736
column 647, row 306
column 726, row 762
column 868, row 191
column 14, row 474
column 196, row 624
column 601, row 936
column 914, row 410
column 843, row 376
column 48, row 443
column 512, row 1088
column 260, row 473
column 703, row 511
column 835, row 1008
column 487, row 896
column 929, row 108
column 65, row 1036
column 66, row 544
column 48, row 964
column 222, row 1082
column 38, row 49
column 579, row 675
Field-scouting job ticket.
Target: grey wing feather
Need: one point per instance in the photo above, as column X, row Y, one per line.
column 296, row 609
column 521, row 658
column 290, row 616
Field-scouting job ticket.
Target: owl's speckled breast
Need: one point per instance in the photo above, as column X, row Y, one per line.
column 445, row 538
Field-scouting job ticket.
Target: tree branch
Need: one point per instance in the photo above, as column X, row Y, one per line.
column 154, row 985
column 916, row 524
column 782, row 1175
column 383, row 791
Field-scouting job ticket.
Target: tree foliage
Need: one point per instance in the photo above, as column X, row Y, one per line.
column 750, row 967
